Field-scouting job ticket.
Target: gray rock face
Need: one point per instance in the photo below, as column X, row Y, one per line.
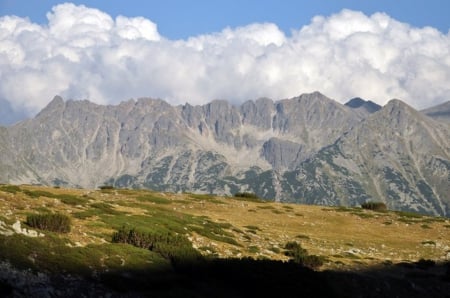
column 282, row 154
column 258, row 113
column 440, row 112
column 307, row 149
column 397, row 155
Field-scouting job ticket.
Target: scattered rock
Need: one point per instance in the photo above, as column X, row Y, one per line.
column 29, row 233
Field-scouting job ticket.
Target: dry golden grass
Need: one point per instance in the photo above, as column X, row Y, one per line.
column 348, row 237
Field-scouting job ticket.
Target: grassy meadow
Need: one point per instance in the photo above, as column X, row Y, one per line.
column 206, row 230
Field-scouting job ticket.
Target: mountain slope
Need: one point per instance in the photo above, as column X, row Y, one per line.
column 397, row 155
column 440, row 112
column 305, row 149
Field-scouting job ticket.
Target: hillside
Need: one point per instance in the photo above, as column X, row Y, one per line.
column 362, row 252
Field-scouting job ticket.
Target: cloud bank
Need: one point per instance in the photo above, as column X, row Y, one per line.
column 83, row 53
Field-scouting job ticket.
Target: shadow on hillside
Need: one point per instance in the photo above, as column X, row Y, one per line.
column 246, row 278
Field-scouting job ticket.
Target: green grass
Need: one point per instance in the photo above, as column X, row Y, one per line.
column 363, row 215
column 72, row 199
column 343, row 209
column 215, row 231
column 64, row 198
column 10, row 188
column 253, row 249
column 269, row 207
column 51, row 254
column 99, row 209
column 161, row 220
column 87, row 213
column 38, row 193
column 206, row 197
column 105, row 208
column 251, row 227
column 407, row 214
column 275, row 249
column 153, row 199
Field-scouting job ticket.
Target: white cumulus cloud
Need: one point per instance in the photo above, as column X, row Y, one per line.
column 83, row 53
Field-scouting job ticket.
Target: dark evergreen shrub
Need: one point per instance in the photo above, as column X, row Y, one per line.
column 106, row 187
column 174, row 247
column 300, row 255
column 425, row 264
column 54, row 222
column 375, row 206
column 248, row 195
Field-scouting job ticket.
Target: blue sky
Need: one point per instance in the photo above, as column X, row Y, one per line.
column 180, row 18
column 198, row 51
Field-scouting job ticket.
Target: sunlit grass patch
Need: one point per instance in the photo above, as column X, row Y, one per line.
column 10, row 188
column 72, row 199
column 153, row 199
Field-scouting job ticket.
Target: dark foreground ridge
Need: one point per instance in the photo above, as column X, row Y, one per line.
column 234, row 278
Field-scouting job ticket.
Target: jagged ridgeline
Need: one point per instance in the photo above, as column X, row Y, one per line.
column 307, row 149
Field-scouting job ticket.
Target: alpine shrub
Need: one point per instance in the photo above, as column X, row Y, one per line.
column 54, row 222
column 375, row 206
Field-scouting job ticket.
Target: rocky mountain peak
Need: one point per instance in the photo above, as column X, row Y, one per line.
column 365, row 106
column 397, row 112
column 56, row 104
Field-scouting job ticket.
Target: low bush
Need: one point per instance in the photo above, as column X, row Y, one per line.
column 425, row 264
column 247, row 195
column 174, row 247
column 54, row 222
column 106, row 187
column 300, row 255
column 375, row 206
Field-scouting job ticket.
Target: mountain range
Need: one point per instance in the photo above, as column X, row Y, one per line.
column 308, row 149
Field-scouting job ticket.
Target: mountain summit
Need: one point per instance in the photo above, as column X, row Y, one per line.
column 307, row 149
column 367, row 107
